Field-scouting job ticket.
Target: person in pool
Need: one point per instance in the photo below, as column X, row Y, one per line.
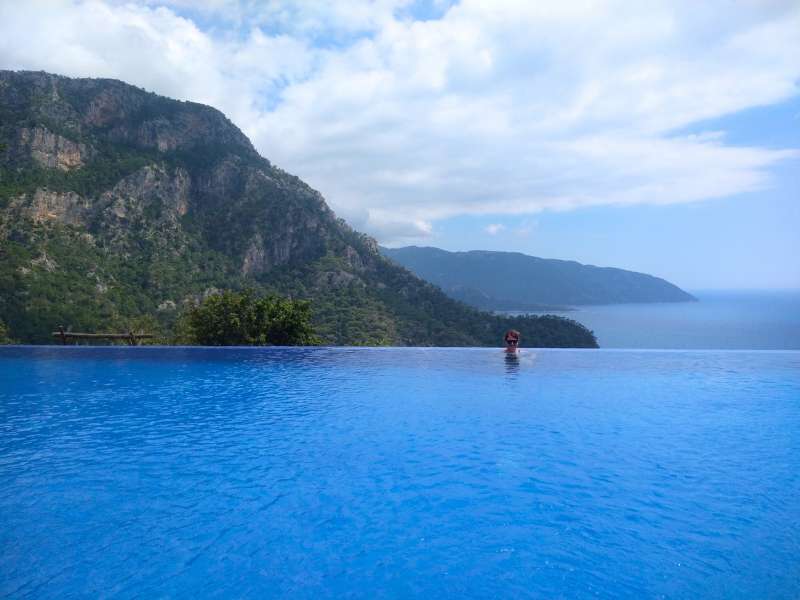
column 512, row 341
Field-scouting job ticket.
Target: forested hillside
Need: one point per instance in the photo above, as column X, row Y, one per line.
column 119, row 207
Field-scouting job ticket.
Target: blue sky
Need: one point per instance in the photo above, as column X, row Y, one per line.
column 745, row 241
column 661, row 136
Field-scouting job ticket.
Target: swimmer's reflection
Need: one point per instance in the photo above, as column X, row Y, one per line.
column 512, row 363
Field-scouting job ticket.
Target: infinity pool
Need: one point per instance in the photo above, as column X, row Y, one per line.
column 396, row 473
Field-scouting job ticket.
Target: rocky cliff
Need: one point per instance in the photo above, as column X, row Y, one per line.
column 118, row 206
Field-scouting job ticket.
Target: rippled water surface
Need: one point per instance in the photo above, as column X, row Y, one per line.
column 389, row 473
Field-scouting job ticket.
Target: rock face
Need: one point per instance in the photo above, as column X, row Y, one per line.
column 118, row 204
column 152, row 188
column 51, row 150
column 66, row 207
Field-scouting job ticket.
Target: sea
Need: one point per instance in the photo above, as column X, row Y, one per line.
column 719, row 320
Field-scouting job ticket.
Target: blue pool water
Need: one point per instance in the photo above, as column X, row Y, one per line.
column 392, row 473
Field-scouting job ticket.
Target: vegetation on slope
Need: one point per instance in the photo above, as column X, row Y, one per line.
column 120, row 209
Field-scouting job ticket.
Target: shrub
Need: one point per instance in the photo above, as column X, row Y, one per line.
column 241, row 319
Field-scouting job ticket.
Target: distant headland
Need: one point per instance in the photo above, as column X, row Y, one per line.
column 511, row 281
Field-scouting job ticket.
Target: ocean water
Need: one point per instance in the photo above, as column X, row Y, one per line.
column 398, row 473
column 720, row 320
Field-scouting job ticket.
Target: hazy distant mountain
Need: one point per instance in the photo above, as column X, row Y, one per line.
column 515, row 281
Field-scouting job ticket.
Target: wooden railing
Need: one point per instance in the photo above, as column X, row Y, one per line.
column 131, row 337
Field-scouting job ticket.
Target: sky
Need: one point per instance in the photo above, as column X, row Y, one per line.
column 658, row 136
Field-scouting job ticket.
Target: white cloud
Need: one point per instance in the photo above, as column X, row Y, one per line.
column 509, row 107
column 494, row 228
column 525, row 228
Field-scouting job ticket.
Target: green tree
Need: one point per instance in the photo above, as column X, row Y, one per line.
column 242, row 319
column 4, row 337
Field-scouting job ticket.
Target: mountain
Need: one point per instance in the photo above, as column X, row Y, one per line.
column 515, row 281
column 118, row 207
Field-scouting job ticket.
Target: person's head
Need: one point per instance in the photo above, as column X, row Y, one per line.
column 512, row 339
